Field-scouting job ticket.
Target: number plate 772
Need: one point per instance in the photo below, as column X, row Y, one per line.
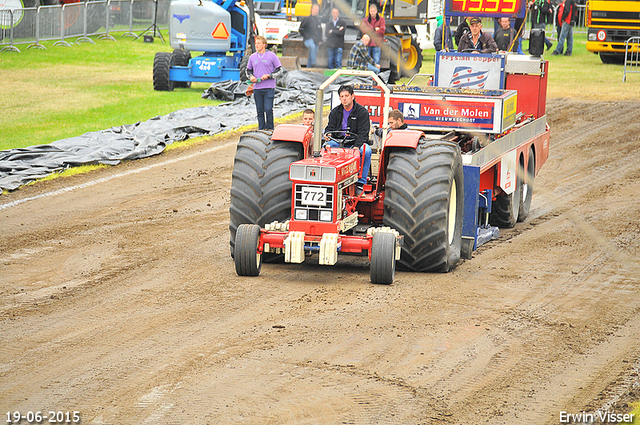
column 314, row 196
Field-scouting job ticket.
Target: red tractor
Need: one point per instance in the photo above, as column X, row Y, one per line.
column 431, row 189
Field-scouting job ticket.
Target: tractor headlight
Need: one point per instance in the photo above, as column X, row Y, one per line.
column 301, row 214
column 325, row 215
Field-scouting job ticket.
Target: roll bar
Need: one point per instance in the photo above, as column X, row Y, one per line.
column 317, row 134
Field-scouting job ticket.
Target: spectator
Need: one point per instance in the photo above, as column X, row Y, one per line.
column 354, row 118
column 476, row 40
column 335, row 39
column 396, row 120
column 308, row 117
column 463, row 28
column 373, row 26
column 267, row 66
column 558, row 22
column 541, row 14
column 568, row 19
column 437, row 37
column 359, row 57
column 505, row 36
column 311, row 31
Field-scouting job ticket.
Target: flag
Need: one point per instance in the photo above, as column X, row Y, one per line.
column 468, row 78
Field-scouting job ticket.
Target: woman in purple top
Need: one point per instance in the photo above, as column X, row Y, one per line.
column 264, row 67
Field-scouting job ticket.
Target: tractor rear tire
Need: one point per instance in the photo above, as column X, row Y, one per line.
column 260, row 185
column 424, row 199
column 161, row 66
column 527, row 188
column 248, row 261
column 506, row 208
column 383, row 258
column 181, row 58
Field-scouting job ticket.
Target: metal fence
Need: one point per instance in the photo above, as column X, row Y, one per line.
column 75, row 22
column 631, row 57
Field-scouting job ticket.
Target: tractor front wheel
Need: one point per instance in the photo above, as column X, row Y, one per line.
column 424, row 198
column 248, row 260
column 383, row 258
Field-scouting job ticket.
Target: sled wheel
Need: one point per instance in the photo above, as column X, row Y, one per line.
column 248, row 260
column 527, row 187
column 505, row 208
column 383, row 258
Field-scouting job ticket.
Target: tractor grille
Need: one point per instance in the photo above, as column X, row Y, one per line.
column 314, row 203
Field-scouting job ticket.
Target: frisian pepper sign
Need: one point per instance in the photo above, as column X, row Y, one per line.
column 469, row 70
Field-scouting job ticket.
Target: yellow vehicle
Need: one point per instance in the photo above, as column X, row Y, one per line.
column 610, row 23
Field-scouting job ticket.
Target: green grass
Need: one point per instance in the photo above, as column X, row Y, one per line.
column 636, row 414
column 64, row 92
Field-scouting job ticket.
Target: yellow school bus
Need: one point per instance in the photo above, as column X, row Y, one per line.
column 610, row 23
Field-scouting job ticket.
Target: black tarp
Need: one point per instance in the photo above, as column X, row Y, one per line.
column 296, row 91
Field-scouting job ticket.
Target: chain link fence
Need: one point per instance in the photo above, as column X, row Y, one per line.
column 76, row 22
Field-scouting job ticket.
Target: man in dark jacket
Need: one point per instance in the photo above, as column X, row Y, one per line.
column 541, row 15
column 354, row 118
column 476, row 40
column 505, row 36
column 569, row 18
column 335, row 39
column 311, row 31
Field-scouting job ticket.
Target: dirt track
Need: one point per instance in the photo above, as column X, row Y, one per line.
column 119, row 300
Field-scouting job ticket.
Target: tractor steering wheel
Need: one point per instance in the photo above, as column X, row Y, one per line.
column 342, row 137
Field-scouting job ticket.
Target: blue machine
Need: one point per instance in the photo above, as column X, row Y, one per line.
column 220, row 28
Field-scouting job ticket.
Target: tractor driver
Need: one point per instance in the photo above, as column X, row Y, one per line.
column 352, row 117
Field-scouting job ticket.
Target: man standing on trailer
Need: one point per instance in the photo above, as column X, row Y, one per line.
column 354, row 118
column 264, row 67
column 477, row 40
column 505, row 36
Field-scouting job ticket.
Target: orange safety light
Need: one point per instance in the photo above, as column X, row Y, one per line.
column 220, row 32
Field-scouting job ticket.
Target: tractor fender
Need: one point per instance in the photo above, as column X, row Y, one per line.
column 295, row 133
column 403, row 139
column 397, row 139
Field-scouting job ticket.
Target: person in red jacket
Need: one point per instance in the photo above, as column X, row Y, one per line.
column 373, row 26
column 568, row 18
